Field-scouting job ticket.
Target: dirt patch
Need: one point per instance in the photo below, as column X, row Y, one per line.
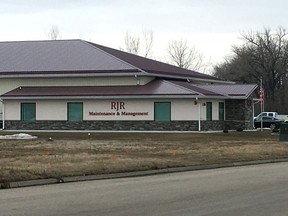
column 70, row 154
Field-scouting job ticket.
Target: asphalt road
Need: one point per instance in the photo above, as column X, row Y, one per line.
column 251, row 190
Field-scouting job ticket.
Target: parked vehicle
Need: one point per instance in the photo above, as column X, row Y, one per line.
column 273, row 114
column 268, row 122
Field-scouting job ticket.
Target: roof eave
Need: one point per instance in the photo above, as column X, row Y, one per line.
column 73, row 75
column 192, row 96
column 184, row 77
column 98, row 97
column 237, row 98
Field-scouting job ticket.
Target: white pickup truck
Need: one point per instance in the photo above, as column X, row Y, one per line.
column 273, row 114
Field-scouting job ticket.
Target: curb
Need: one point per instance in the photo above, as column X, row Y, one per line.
column 39, row 182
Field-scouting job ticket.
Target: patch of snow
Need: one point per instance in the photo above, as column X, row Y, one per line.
column 18, row 136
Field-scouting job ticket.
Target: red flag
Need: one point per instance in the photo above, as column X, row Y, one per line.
column 261, row 95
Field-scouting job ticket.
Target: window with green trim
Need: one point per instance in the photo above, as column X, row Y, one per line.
column 28, row 112
column 162, row 111
column 75, row 111
column 221, row 111
column 209, row 111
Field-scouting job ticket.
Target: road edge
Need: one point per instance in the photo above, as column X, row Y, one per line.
column 40, row 182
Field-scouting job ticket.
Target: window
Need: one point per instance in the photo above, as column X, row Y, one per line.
column 75, row 111
column 28, row 112
column 162, row 111
column 209, row 111
column 221, row 111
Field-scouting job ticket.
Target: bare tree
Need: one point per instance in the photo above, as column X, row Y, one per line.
column 264, row 55
column 184, row 56
column 54, row 33
column 133, row 43
column 148, row 38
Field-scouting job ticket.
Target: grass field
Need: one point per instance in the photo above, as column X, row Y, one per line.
column 72, row 154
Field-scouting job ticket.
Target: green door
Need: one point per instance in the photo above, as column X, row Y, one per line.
column 162, row 111
column 28, row 111
column 209, row 111
column 221, row 111
column 75, row 112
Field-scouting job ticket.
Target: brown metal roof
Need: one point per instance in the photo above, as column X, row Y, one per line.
column 55, row 57
column 78, row 56
column 232, row 91
column 156, row 87
column 197, row 88
column 153, row 66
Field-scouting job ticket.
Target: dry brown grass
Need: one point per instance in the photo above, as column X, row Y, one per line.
column 72, row 154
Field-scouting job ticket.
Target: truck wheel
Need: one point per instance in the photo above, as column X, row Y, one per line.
column 272, row 126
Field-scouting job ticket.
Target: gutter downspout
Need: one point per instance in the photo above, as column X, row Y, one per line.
column 199, row 114
column 3, row 115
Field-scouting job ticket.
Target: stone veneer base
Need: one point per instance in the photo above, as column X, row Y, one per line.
column 129, row 125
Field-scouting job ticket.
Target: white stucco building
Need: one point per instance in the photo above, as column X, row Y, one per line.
column 74, row 84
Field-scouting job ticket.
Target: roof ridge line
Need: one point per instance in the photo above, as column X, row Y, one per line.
column 182, row 87
column 89, row 44
column 35, row 41
column 200, row 86
column 252, row 90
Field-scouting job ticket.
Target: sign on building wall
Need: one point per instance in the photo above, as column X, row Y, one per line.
column 119, row 110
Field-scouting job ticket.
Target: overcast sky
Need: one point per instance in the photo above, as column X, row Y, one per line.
column 210, row 25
